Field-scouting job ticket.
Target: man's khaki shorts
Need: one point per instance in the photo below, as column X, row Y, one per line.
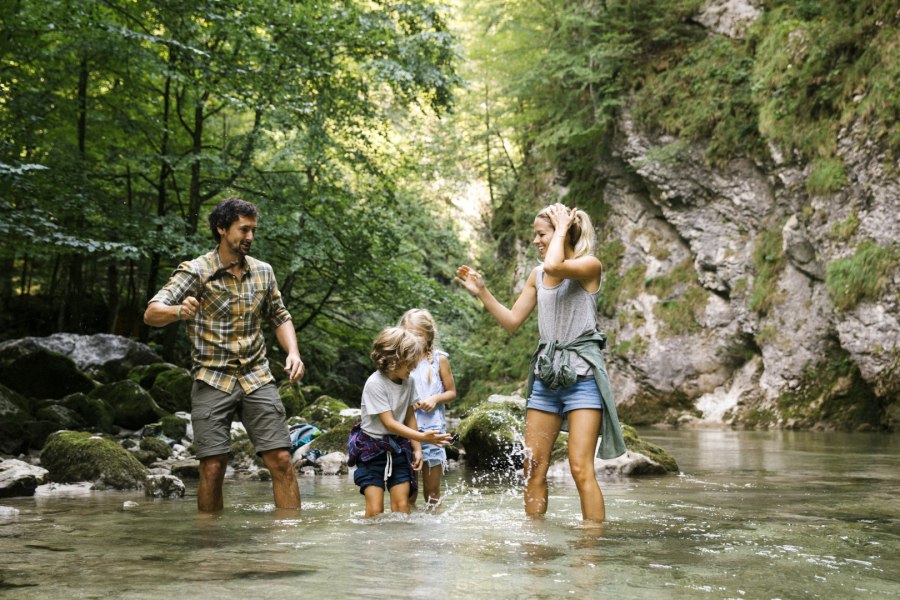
column 261, row 412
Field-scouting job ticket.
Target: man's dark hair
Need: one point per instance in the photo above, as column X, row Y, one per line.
column 227, row 212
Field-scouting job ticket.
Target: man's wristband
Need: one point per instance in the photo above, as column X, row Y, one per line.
column 179, row 312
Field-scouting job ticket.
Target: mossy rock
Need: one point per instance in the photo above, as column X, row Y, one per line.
column 45, row 374
column 292, row 397
column 62, row 416
column 325, row 412
column 95, row 412
column 73, row 456
column 132, row 406
column 492, row 434
column 242, row 452
column 145, row 375
column 634, row 443
column 335, row 439
column 172, row 389
column 158, row 447
column 174, row 427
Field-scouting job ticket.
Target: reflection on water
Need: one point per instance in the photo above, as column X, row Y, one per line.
column 753, row 515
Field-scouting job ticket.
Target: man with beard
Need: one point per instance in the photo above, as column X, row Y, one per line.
column 223, row 297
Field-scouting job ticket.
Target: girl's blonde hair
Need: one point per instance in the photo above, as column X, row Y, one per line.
column 395, row 347
column 422, row 323
column 581, row 235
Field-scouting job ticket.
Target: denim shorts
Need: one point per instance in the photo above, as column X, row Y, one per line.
column 372, row 472
column 433, row 455
column 581, row 394
column 261, row 412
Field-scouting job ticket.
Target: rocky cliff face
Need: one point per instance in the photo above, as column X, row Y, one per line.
column 736, row 291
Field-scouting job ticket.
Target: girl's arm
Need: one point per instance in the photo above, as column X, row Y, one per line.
column 509, row 319
column 412, row 433
column 449, row 393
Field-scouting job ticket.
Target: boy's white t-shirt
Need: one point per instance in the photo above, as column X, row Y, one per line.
column 380, row 394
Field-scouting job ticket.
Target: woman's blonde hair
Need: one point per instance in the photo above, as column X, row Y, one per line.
column 581, row 235
column 422, row 323
column 395, row 347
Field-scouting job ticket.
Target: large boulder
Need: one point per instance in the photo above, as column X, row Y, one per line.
column 132, row 406
column 18, row 478
column 43, row 374
column 102, row 356
column 171, row 389
column 14, row 415
column 492, row 433
column 72, row 456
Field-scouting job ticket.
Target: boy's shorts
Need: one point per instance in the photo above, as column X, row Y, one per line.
column 261, row 412
column 581, row 394
column 372, row 472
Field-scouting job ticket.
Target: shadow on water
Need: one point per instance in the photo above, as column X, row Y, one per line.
column 755, row 515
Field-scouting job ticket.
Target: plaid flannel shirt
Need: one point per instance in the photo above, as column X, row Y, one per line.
column 226, row 333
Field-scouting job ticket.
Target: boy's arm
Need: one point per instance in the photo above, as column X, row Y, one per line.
column 404, row 430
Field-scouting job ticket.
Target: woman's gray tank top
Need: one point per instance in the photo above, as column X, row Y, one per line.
column 565, row 312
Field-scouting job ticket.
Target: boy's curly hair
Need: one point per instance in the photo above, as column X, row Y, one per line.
column 394, row 347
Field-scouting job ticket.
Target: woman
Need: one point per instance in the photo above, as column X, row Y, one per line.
column 567, row 378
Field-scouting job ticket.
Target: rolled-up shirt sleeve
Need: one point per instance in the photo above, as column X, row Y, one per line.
column 276, row 312
column 179, row 286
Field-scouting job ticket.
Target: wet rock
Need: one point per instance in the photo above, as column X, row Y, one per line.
column 18, row 478
column 132, row 406
column 333, row 463
column 163, row 486
column 186, row 469
column 72, row 456
column 492, row 434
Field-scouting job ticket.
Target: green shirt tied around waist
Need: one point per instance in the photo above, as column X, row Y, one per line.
column 588, row 347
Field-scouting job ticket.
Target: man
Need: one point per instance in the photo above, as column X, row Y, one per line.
column 222, row 297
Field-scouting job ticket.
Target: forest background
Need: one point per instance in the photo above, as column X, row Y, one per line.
column 388, row 142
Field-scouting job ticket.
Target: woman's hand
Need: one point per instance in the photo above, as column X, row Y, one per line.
column 470, row 279
column 561, row 217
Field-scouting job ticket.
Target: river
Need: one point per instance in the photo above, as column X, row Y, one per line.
column 752, row 515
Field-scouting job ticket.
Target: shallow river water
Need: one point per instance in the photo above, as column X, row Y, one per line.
column 752, row 515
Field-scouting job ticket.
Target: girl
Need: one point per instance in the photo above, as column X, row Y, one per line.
column 385, row 445
column 567, row 377
column 434, row 388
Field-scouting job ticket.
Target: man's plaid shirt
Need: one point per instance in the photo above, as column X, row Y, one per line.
column 226, row 334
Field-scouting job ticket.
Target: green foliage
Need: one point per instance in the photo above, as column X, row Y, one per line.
column 844, row 230
column 768, row 262
column 826, row 175
column 706, row 97
column 821, row 65
column 863, row 276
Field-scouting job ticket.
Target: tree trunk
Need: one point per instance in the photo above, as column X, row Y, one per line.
column 194, row 198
